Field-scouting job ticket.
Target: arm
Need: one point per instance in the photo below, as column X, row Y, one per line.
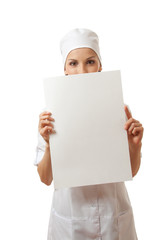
column 45, row 168
column 45, row 129
column 135, row 157
column 135, row 133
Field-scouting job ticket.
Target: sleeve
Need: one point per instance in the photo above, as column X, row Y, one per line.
column 40, row 148
column 127, row 119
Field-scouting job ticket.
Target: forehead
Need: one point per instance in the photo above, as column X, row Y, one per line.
column 81, row 53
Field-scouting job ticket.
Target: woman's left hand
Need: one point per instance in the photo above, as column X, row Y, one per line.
column 134, row 129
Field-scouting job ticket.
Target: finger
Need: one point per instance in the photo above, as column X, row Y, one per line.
column 43, row 123
column 47, row 117
column 132, row 126
column 46, row 130
column 128, row 114
column 129, row 122
column 45, row 113
column 51, row 131
column 137, row 130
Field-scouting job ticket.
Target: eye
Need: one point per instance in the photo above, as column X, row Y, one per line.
column 90, row 62
column 73, row 63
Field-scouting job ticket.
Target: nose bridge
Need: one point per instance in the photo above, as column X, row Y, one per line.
column 82, row 68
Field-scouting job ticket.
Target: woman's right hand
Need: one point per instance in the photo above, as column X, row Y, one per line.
column 45, row 126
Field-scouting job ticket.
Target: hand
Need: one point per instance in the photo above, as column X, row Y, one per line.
column 45, row 126
column 134, row 129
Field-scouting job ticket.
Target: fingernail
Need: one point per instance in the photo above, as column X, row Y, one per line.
column 49, row 111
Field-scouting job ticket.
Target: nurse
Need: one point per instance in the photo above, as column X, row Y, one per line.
column 97, row 211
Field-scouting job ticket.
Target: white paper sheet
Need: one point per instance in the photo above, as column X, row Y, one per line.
column 90, row 145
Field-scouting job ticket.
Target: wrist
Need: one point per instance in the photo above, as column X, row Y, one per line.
column 135, row 147
column 47, row 145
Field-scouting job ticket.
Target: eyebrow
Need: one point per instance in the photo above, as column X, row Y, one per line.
column 91, row 57
column 86, row 58
column 71, row 59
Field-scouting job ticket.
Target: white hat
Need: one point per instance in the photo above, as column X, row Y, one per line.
column 79, row 38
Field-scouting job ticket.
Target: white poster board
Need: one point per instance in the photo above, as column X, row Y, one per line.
column 90, row 145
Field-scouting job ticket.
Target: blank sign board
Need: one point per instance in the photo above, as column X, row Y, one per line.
column 90, row 145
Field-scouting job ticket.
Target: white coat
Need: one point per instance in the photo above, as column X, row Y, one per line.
column 100, row 212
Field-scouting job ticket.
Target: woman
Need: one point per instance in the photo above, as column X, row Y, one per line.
column 90, row 212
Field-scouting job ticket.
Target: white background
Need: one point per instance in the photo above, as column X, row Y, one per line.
column 29, row 51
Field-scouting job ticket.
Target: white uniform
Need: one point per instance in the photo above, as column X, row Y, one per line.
column 100, row 212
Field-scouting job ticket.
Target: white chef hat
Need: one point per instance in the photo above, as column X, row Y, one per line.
column 79, row 38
